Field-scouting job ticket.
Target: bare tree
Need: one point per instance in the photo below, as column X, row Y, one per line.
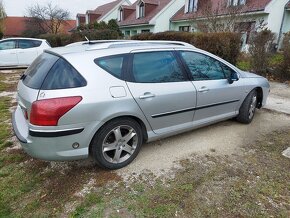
column 220, row 18
column 48, row 18
column 2, row 17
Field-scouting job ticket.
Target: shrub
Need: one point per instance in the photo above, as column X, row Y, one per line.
column 1, row 34
column 97, row 34
column 56, row 40
column 283, row 69
column 225, row 45
column 260, row 46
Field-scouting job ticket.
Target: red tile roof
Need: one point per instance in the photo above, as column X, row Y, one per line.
column 14, row 26
column 68, row 26
column 219, row 6
column 104, row 9
column 132, row 20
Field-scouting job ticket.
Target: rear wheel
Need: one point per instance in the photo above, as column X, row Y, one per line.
column 248, row 108
column 117, row 143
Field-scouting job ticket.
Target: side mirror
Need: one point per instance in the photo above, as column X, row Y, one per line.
column 233, row 77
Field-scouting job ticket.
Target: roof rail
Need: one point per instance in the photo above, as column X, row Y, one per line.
column 130, row 43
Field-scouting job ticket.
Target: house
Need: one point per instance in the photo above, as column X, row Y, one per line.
column 249, row 15
column 104, row 12
column 147, row 16
column 15, row 26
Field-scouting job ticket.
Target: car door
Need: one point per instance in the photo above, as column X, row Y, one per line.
column 216, row 97
column 160, row 87
column 28, row 51
column 8, row 54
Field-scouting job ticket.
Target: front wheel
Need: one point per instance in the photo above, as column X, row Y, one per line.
column 117, row 143
column 248, row 108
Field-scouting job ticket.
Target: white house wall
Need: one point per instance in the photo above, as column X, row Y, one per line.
column 134, row 30
column 162, row 20
column 275, row 9
column 114, row 13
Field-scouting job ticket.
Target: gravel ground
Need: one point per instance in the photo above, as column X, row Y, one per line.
column 279, row 98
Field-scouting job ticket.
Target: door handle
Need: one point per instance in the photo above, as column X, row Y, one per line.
column 146, row 95
column 203, row 89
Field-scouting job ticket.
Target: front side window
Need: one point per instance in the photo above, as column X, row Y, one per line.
column 24, row 44
column 203, row 67
column 9, row 44
column 111, row 64
column 156, row 67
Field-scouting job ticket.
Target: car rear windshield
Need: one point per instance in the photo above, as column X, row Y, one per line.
column 49, row 72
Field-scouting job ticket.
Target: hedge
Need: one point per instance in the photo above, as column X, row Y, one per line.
column 224, row 44
column 64, row 39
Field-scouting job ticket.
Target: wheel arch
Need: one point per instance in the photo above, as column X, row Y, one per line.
column 135, row 118
column 259, row 97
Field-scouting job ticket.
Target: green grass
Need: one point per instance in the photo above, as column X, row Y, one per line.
column 254, row 184
column 92, row 206
column 5, row 131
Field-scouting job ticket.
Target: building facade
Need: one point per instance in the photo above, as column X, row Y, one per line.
column 154, row 16
column 104, row 13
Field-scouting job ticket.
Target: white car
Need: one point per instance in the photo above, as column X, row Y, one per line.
column 20, row 52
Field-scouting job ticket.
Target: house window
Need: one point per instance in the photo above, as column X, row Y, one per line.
column 127, row 33
column 134, row 32
column 184, row 28
column 246, row 28
column 145, row 31
column 121, row 12
column 142, row 10
column 236, row 2
column 191, row 6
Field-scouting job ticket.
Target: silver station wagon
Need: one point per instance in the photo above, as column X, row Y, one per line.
column 107, row 99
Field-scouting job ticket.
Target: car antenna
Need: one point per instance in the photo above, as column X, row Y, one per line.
column 88, row 40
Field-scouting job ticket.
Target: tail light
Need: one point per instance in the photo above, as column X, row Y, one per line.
column 47, row 112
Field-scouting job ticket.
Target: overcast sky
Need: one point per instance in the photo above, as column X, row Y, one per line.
column 18, row 7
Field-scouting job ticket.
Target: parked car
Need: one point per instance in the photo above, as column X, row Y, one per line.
column 106, row 102
column 20, row 52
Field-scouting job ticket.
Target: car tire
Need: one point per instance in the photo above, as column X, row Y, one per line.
column 117, row 143
column 248, row 108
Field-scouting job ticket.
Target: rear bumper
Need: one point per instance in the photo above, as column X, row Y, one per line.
column 16, row 131
column 52, row 144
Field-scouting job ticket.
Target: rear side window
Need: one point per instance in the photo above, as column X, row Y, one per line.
column 36, row 73
column 111, row 64
column 156, row 67
column 24, row 43
column 51, row 72
column 63, row 76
